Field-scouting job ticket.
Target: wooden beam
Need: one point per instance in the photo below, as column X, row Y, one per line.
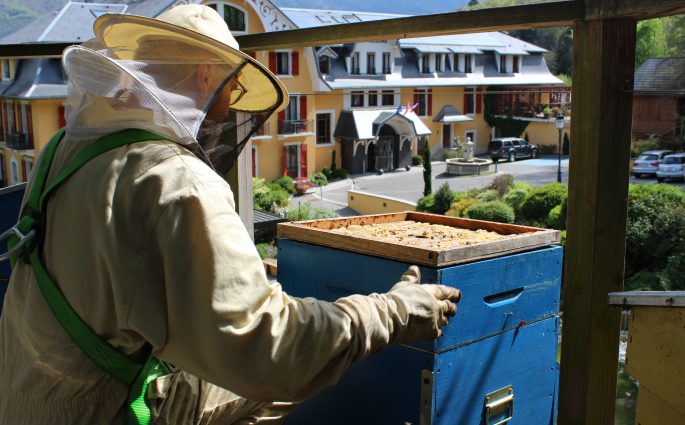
column 32, row 50
column 639, row 9
column 560, row 13
column 603, row 68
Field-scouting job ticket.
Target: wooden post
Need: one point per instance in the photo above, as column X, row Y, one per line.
column 240, row 180
column 603, row 68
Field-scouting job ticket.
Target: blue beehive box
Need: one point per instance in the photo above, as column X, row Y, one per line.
column 495, row 363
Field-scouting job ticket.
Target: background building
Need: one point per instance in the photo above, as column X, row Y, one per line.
column 374, row 103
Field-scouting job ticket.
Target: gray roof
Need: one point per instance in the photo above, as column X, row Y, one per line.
column 661, row 75
column 74, row 21
column 37, row 79
column 308, row 18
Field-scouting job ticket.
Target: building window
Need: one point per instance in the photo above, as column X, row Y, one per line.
column 388, row 98
column 516, row 67
column 6, row 71
column 448, row 63
column 373, row 98
column 355, row 63
column 425, row 64
column 386, row 63
column 357, row 99
column 422, row 97
column 323, row 128
column 234, row 17
column 14, row 171
column 438, row 62
column 371, row 63
column 468, row 64
column 293, row 119
column 283, row 63
column 325, row 65
column 470, row 100
column 503, row 64
column 470, row 135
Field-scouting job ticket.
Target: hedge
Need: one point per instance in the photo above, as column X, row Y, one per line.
column 491, row 211
column 542, row 199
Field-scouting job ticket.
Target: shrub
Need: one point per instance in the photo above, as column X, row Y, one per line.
column 267, row 250
column 426, row 203
column 427, row 171
column 268, row 197
column 527, row 187
column 655, row 237
column 556, row 218
column 306, row 212
column 416, row 160
column 339, row 174
column 542, row 200
column 515, row 197
column 488, row 196
column 286, row 182
column 501, row 184
column 547, row 149
column 454, row 153
column 458, row 196
column 491, row 211
column 320, row 179
column 640, row 146
column 327, row 172
column 457, row 208
column 443, row 199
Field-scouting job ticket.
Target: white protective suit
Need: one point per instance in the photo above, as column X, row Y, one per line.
column 145, row 244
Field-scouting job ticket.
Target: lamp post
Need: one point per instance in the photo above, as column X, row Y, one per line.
column 560, row 122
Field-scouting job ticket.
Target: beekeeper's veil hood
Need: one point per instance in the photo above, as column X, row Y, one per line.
column 180, row 75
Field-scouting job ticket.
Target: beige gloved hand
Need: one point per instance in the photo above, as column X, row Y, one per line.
column 410, row 311
column 422, row 308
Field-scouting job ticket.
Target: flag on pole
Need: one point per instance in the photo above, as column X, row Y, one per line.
column 399, row 109
column 410, row 108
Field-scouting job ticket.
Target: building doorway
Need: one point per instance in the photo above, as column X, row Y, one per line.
column 447, row 136
column 387, row 148
column 292, row 160
column 371, row 157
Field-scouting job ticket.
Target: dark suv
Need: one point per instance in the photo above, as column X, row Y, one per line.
column 511, row 148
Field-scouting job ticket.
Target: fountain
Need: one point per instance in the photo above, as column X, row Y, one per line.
column 468, row 164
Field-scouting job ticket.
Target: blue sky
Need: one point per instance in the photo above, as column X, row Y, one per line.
column 415, row 7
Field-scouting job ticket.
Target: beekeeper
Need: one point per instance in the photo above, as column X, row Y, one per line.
column 147, row 251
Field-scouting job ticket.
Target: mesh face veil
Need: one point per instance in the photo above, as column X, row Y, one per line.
column 144, row 73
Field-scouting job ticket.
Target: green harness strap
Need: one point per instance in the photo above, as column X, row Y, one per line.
column 135, row 375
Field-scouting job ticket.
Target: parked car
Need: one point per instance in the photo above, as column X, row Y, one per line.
column 511, row 148
column 646, row 164
column 672, row 167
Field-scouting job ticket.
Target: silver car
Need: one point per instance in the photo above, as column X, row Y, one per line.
column 648, row 161
column 672, row 167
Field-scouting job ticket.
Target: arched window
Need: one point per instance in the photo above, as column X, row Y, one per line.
column 234, row 17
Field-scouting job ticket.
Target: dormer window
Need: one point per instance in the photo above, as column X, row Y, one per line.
column 468, row 64
column 438, row 62
column 325, row 65
column 425, row 64
column 516, row 65
column 386, row 63
column 6, row 70
column 234, row 17
column 371, row 63
column 503, row 64
column 448, row 63
column 355, row 63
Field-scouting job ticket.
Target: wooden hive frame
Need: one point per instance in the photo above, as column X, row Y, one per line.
column 604, row 52
column 319, row 232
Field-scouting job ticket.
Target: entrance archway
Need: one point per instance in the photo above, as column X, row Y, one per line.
column 388, row 147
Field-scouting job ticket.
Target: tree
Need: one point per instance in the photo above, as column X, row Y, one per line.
column 473, row 3
column 651, row 40
column 563, row 52
column 567, row 144
column 427, row 170
column 675, row 35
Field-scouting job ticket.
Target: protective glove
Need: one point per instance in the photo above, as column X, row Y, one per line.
column 422, row 309
column 410, row 311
